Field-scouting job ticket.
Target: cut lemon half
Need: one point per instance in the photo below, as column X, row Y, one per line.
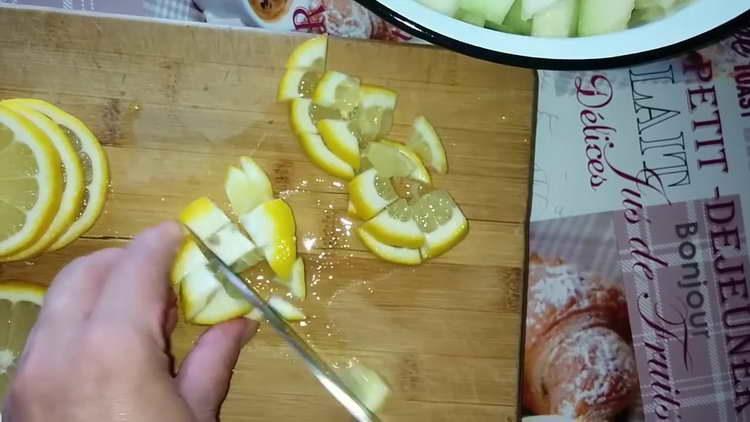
column 442, row 222
column 204, row 217
column 311, row 54
column 296, row 283
column 324, row 158
column 395, row 254
column 339, row 91
column 396, row 226
column 248, row 187
column 305, row 115
column 426, row 143
column 373, row 117
column 189, row 258
column 369, row 194
column 287, row 311
column 95, row 167
column 419, row 171
column 340, row 140
column 297, row 83
column 73, row 183
column 31, row 182
column 20, row 303
column 271, row 225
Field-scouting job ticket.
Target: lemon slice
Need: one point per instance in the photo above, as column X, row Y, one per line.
column 324, row 158
column 311, row 54
column 395, row 254
column 297, row 83
column 426, row 143
column 370, row 193
column 442, row 222
column 419, row 171
column 337, row 90
column 396, row 226
column 189, row 258
column 297, row 283
column 31, row 182
column 340, row 140
column 203, row 217
column 367, row 385
column 373, row 117
column 271, row 225
column 73, row 183
column 248, row 187
column 95, row 167
column 20, row 303
column 305, row 115
column 287, row 311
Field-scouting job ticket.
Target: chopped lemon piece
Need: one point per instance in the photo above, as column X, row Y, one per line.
column 297, row 83
column 234, row 248
column 221, row 307
column 311, row 54
column 388, row 160
column 73, row 183
column 305, row 115
column 369, row 194
column 419, row 171
column 442, row 222
column 373, row 117
column 396, row 226
column 366, row 385
column 426, row 143
column 340, row 140
column 324, row 158
column 297, row 283
column 287, row 311
column 95, row 167
column 395, row 254
column 247, row 188
column 197, row 289
column 31, row 182
column 337, row 90
column 204, row 218
column 189, row 257
column 272, row 227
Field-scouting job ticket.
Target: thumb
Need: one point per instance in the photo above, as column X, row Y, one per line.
column 205, row 373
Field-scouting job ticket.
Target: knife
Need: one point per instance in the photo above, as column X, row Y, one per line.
column 237, row 287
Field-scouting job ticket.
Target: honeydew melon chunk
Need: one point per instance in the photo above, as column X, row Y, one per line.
column 602, row 17
column 514, row 23
column 472, row 11
column 533, row 7
column 560, row 20
column 446, row 7
column 497, row 11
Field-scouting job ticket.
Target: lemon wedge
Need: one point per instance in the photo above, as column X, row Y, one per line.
column 197, row 288
column 271, row 225
column 340, row 140
column 296, row 284
column 305, row 115
column 297, row 83
column 396, row 226
column 388, row 160
column 428, row 146
column 373, row 117
column 73, row 183
column 370, row 193
column 20, row 303
column 95, row 167
column 323, row 157
column 442, row 222
column 395, row 254
column 367, row 385
column 31, row 182
column 248, row 187
column 419, row 171
column 203, row 217
column 339, row 91
column 311, row 54
column 287, row 311
column 189, row 258
column 221, row 306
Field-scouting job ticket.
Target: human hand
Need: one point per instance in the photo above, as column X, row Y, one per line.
column 99, row 350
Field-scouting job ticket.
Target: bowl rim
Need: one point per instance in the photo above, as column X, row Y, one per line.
column 430, row 35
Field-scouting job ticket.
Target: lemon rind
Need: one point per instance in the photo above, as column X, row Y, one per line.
column 394, row 254
column 324, row 158
column 307, row 53
column 376, row 96
column 364, row 197
column 395, row 232
column 289, row 85
column 22, row 291
column 300, row 118
column 340, row 140
column 439, row 159
column 446, row 236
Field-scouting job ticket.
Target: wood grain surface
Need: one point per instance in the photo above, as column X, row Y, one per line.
column 176, row 104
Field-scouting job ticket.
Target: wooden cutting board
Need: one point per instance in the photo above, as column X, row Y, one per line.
column 175, row 104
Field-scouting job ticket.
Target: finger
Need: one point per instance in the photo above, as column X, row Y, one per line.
column 204, row 377
column 75, row 290
column 137, row 291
